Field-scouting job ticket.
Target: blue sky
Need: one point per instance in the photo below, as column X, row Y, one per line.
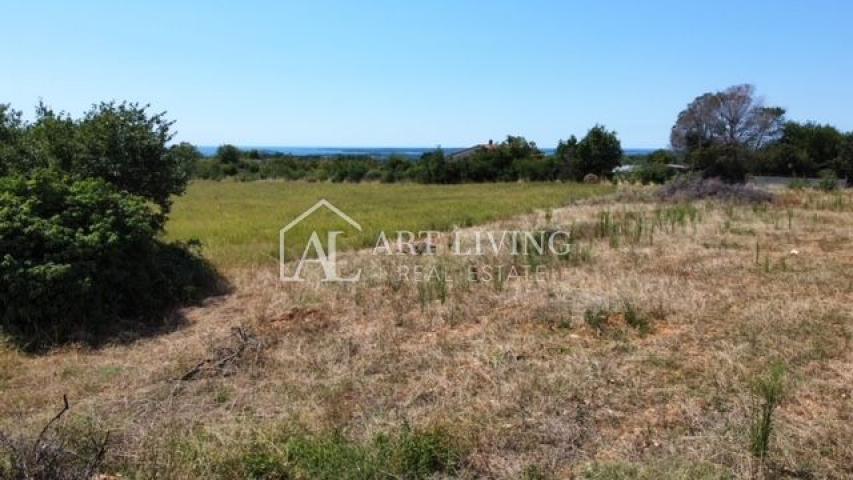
column 404, row 73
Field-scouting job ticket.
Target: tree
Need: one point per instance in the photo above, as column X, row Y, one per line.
column 661, row 157
column 726, row 162
column 125, row 145
column 514, row 158
column 52, row 141
column 599, row 152
column 804, row 149
column 396, row 168
column 433, row 167
column 734, row 116
column 845, row 159
column 228, row 154
column 121, row 143
column 186, row 155
column 11, row 134
column 565, row 154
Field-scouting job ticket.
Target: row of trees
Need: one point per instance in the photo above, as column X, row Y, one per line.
column 731, row 133
column 513, row 159
column 728, row 134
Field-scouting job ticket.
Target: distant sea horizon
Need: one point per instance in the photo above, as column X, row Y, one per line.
column 376, row 152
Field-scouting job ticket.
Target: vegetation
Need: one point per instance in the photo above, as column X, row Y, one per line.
column 120, row 143
column 727, row 134
column 78, row 256
column 511, row 160
column 638, row 354
column 768, row 393
column 731, row 133
column 81, row 211
column 408, row 454
column 598, row 153
column 666, row 377
column 655, row 168
column 689, row 188
column 239, row 223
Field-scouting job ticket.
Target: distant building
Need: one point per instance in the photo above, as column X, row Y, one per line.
column 463, row 154
column 625, row 169
column 631, row 168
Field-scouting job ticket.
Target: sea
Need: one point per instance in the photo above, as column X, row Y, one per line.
column 376, row 152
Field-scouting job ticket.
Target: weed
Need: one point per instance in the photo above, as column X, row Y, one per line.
column 596, row 318
column 635, row 318
column 557, row 315
column 53, row 456
column 535, row 472
column 599, row 316
column 767, row 394
column 678, row 216
column 434, row 287
column 409, row 454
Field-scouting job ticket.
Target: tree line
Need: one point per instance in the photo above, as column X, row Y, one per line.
column 731, row 133
column 513, row 159
column 728, row 134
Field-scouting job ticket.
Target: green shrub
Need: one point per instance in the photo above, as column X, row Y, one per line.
column 121, row 143
column 654, row 173
column 726, row 162
column 78, row 255
column 408, row 454
column 798, row 184
column 597, row 318
column 768, row 391
column 828, row 181
column 373, row 175
column 635, row 318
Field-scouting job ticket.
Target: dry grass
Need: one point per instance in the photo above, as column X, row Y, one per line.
column 513, row 370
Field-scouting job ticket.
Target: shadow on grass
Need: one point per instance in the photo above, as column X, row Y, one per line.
column 143, row 300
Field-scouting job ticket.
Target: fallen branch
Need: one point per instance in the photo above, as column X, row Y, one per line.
column 53, row 420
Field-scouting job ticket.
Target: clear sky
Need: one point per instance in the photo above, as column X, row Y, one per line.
column 424, row 73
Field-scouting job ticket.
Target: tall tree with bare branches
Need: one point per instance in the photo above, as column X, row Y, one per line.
column 733, row 117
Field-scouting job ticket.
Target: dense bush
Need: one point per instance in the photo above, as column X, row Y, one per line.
column 228, row 154
column 730, row 133
column 598, row 153
column 726, row 162
column 513, row 159
column 804, row 150
column 79, row 255
column 121, row 143
column 652, row 173
column 11, row 135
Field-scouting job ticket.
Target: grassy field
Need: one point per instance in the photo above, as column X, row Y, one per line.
column 701, row 340
column 239, row 223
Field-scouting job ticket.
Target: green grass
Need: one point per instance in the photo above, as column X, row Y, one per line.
column 239, row 223
column 408, row 453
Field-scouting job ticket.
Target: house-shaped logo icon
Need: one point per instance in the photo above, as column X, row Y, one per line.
column 326, row 256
